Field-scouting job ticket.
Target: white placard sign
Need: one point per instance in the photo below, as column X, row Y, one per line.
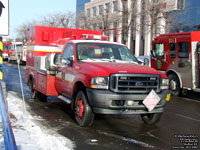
column 151, row 100
column 4, row 17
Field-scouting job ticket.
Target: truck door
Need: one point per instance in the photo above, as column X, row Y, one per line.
column 68, row 73
column 160, row 59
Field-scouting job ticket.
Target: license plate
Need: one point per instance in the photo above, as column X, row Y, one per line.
column 151, row 100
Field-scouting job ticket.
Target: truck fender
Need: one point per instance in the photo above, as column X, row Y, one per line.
column 177, row 74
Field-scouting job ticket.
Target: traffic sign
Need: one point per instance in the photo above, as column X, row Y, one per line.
column 4, row 17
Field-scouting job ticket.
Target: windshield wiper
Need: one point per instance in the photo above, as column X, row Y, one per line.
column 125, row 61
column 89, row 59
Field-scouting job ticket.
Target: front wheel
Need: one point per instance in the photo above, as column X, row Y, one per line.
column 174, row 84
column 83, row 113
column 151, row 118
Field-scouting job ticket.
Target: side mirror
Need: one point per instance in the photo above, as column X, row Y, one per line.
column 146, row 61
column 57, row 59
column 64, row 62
column 153, row 54
column 69, row 62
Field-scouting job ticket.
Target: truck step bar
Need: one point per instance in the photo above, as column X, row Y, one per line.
column 196, row 90
column 65, row 99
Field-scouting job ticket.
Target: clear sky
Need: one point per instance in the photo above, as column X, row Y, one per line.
column 27, row 10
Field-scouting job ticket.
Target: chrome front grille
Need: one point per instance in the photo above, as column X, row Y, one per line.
column 134, row 83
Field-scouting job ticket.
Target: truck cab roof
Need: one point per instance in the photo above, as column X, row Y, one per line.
column 96, row 41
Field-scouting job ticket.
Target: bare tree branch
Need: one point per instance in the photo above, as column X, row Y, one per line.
column 65, row 20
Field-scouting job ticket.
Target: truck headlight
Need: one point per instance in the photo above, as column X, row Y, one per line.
column 165, row 84
column 99, row 82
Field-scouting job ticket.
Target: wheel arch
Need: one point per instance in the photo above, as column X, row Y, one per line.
column 77, row 87
column 177, row 74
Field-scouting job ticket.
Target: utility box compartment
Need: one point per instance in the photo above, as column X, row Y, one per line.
column 40, row 63
column 42, row 35
column 46, row 84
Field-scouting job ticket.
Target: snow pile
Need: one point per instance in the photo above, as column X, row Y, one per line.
column 28, row 133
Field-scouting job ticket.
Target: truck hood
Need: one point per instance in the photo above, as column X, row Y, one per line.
column 107, row 68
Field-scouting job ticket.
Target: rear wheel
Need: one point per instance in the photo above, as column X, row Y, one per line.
column 35, row 94
column 83, row 113
column 174, row 84
column 9, row 61
column 151, row 118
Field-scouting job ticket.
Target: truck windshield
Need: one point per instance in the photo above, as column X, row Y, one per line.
column 104, row 51
column 159, row 49
column 7, row 47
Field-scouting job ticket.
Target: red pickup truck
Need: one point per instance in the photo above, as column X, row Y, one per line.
column 94, row 76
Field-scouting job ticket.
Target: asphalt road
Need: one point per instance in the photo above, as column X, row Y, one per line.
column 179, row 127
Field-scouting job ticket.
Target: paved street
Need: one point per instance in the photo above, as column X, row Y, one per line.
column 179, row 125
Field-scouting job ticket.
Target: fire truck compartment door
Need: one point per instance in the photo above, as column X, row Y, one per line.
column 183, row 64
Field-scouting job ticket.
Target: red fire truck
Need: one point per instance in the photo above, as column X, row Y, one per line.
column 178, row 56
column 6, row 49
column 93, row 75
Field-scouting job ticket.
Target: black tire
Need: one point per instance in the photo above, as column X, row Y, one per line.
column 9, row 61
column 83, row 113
column 34, row 93
column 31, row 86
column 37, row 95
column 151, row 119
column 174, row 85
column 41, row 97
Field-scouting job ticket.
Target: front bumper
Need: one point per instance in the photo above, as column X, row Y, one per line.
column 5, row 55
column 108, row 102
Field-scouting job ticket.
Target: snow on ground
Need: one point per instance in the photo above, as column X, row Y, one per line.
column 30, row 134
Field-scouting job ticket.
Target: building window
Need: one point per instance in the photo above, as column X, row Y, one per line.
column 107, row 7
column 94, row 11
column 100, row 9
column 115, row 6
column 155, row 1
column 88, row 12
column 181, row 4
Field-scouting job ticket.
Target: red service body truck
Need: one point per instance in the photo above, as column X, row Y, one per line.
column 6, row 48
column 178, row 56
column 93, row 75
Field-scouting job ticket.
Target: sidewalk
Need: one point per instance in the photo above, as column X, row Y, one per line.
column 29, row 133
